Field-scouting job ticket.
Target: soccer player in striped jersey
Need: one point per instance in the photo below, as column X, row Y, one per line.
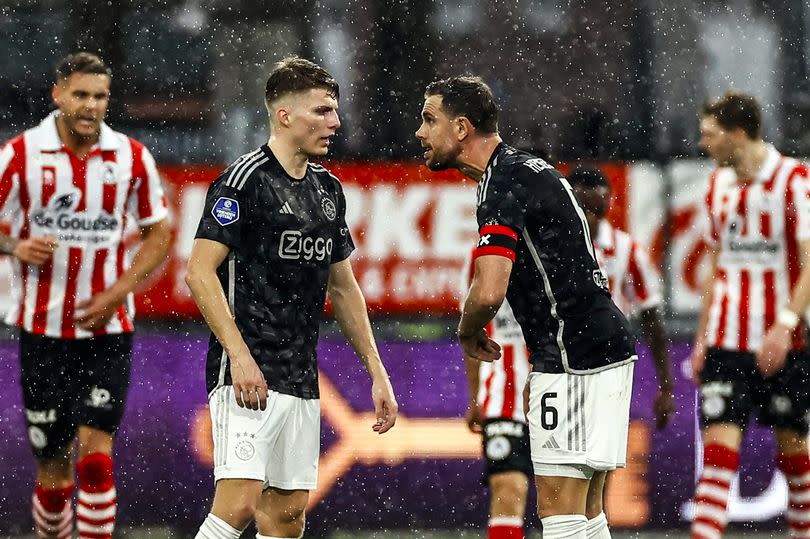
column 750, row 355
column 535, row 250
column 69, row 186
column 272, row 242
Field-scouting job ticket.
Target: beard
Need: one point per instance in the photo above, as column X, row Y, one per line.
column 437, row 166
column 437, row 162
column 72, row 125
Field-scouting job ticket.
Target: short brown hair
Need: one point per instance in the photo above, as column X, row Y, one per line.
column 736, row 110
column 81, row 62
column 294, row 74
column 469, row 97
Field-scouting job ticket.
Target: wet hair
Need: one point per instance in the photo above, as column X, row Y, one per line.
column 294, row 74
column 81, row 62
column 469, row 97
column 587, row 177
column 736, row 110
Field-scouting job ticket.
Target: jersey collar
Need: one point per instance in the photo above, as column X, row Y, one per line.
column 50, row 141
column 769, row 166
column 492, row 158
column 276, row 164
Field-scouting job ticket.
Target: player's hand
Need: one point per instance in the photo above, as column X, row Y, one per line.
column 249, row 385
column 385, row 404
column 474, row 418
column 698, row 360
column 663, row 407
column 479, row 346
column 94, row 313
column 775, row 347
column 35, row 250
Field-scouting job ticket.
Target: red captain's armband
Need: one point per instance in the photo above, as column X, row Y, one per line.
column 496, row 240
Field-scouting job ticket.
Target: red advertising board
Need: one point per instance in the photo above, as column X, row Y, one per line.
column 412, row 227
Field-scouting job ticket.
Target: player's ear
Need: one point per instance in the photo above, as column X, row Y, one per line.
column 282, row 116
column 739, row 134
column 56, row 92
column 463, row 127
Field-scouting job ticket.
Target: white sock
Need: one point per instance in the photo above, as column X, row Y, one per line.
column 565, row 527
column 598, row 527
column 216, row 528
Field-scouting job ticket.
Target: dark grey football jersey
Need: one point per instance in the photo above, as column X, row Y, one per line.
column 283, row 234
column 527, row 212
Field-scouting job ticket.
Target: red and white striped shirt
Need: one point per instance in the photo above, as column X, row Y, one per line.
column 45, row 190
column 757, row 226
column 501, row 383
column 634, row 284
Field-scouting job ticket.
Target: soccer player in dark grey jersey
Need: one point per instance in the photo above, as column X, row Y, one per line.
column 535, row 250
column 272, row 242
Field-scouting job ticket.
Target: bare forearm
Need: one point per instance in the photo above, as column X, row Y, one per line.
column 478, row 312
column 800, row 297
column 7, row 244
column 352, row 316
column 652, row 329
column 210, row 298
column 152, row 252
column 706, row 303
column 472, row 368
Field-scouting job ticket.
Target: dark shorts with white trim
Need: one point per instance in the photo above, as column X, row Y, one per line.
column 506, row 447
column 72, row 382
column 732, row 390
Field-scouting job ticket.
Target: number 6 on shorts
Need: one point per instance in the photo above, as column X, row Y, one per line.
column 580, row 419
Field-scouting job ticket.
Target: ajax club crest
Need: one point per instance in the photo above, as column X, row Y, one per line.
column 329, row 208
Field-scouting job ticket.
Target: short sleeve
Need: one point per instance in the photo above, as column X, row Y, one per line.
column 344, row 245
column 643, row 281
column 150, row 205
column 800, row 186
column 500, row 201
column 226, row 213
column 9, row 182
column 501, row 214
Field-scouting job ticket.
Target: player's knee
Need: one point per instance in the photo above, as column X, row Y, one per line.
column 96, row 472
column 790, row 442
column 55, row 469
column 242, row 511
column 291, row 519
column 508, row 493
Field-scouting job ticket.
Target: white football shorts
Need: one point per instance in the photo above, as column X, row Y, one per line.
column 578, row 423
column 279, row 446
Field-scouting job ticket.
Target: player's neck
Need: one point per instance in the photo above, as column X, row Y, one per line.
column 750, row 158
column 594, row 230
column 80, row 146
column 475, row 156
column 292, row 160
